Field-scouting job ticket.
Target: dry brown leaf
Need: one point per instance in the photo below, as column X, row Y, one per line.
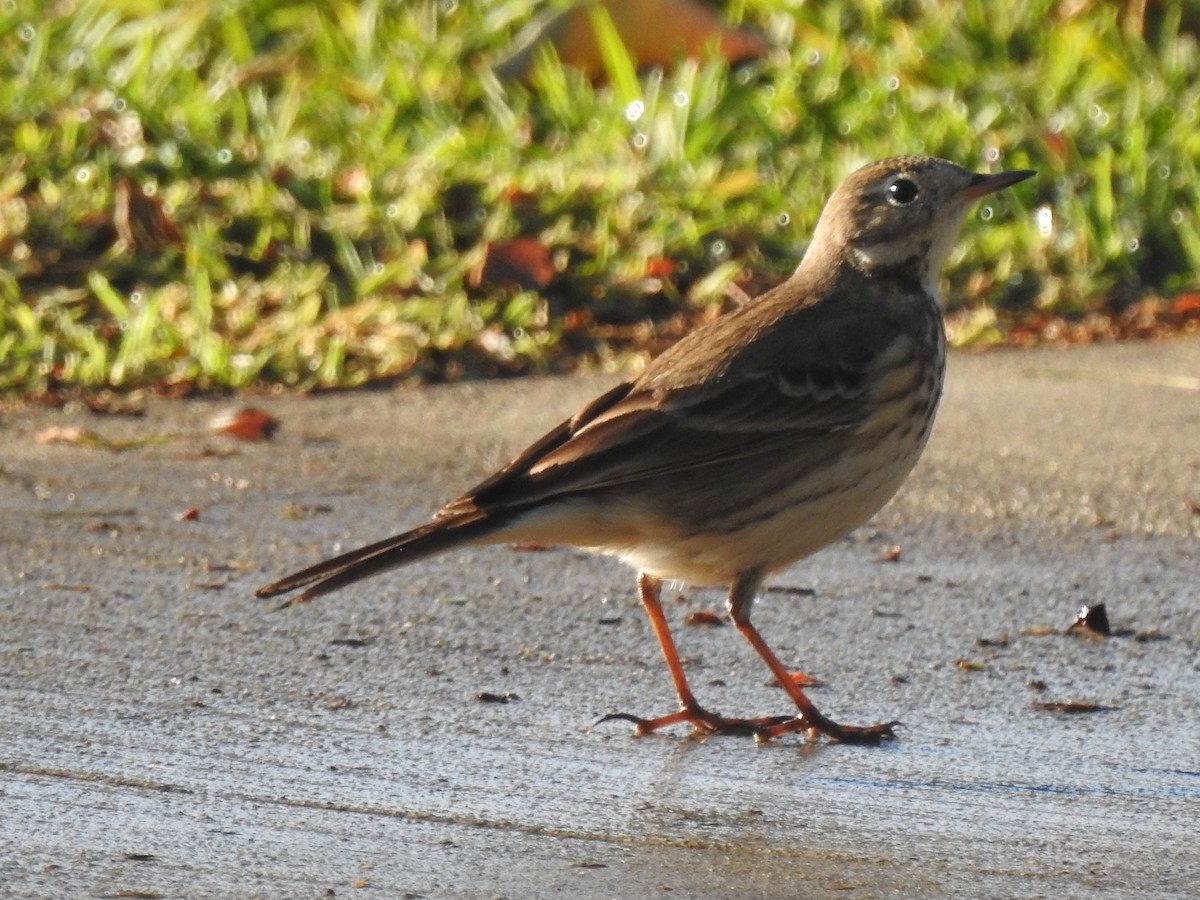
column 1056, row 143
column 891, row 554
column 703, row 617
column 656, row 33
column 246, row 423
column 141, row 220
column 1187, row 304
column 523, row 261
column 660, row 267
column 1071, row 706
column 1091, row 621
column 801, row 680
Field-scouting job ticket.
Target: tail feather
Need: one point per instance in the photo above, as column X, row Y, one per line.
column 399, row 550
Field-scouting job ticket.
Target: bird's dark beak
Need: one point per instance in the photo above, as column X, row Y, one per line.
column 982, row 185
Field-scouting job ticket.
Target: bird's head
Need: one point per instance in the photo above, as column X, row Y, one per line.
column 902, row 215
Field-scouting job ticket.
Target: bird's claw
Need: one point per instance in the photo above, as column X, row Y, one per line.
column 863, row 735
column 704, row 722
column 764, row 728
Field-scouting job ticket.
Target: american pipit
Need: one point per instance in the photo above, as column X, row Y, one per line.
column 753, row 442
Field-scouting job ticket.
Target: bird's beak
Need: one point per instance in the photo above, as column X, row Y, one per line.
column 982, row 185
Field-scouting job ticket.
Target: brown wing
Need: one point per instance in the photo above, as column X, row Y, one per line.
column 637, row 432
column 784, row 373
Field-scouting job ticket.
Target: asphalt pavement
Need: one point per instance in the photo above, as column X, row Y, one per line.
column 430, row 733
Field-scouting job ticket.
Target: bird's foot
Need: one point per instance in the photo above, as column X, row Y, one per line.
column 764, row 728
column 704, row 722
column 869, row 735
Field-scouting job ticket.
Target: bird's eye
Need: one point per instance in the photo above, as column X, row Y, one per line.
column 901, row 192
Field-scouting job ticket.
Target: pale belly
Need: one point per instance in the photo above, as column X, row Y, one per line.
column 768, row 535
column 792, row 531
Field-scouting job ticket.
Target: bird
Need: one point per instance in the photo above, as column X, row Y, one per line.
column 753, row 442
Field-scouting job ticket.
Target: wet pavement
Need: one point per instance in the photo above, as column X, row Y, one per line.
column 163, row 733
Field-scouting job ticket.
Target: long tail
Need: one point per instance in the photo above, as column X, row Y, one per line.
column 400, row 550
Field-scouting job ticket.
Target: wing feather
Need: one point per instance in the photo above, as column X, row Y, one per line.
column 699, row 406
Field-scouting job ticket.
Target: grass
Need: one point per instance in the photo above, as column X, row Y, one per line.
column 262, row 192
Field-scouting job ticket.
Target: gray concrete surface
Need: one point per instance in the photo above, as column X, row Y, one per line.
column 162, row 733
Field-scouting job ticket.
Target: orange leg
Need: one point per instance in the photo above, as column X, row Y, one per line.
column 690, row 711
column 741, row 599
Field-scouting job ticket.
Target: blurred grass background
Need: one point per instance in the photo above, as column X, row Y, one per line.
column 261, row 192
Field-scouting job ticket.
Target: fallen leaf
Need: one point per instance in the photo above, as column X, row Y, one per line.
column 801, row 680
column 1150, row 635
column 656, row 33
column 1187, row 304
column 247, row 423
column 891, row 554
column 1091, row 621
column 350, row 642
column 1056, row 143
column 523, row 261
column 660, row 267
column 1071, row 706
column 1003, row 641
column 141, row 220
column 518, row 196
